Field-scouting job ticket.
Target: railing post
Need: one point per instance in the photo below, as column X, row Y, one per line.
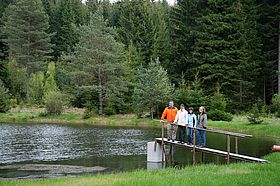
column 162, row 143
column 228, row 148
column 236, row 144
column 194, row 139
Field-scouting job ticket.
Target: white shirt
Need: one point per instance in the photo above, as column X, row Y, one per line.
column 181, row 117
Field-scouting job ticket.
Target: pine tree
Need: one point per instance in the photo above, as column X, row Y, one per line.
column 4, row 99
column 26, row 24
column 152, row 88
column 135, row 26
column 183, row 24
column 269, row 31
column 95, row 57
column 69, row 15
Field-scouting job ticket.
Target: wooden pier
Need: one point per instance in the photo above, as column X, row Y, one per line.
column 213, row 151
column 228, row 154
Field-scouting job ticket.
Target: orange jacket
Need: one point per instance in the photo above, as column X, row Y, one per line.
column 169, row 113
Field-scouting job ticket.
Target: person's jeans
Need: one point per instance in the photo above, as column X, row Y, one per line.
column 181, row 133
column 201, row 137
column 190, row 135
column 171, row 131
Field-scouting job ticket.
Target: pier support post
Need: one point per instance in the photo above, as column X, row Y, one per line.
column 228, row 149
column 194, row 140
column 154, row 152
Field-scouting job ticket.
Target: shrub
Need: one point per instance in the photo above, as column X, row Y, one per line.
column 276, row 104
column 218, row 115
column 54, row 102
column 4, row 99
column 254, row 116
column 13, row 102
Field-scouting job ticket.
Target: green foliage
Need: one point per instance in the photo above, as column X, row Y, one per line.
column 96, row 60
column 50, row 83
column 16, row 79
column 54, row 102
column 26, row 25
column 254, row 117
column 135, row 27
column 192, row 95
column 152, row 88
column 13, row 102
column 276, row 104
column 68, row 16
column 218, row 105
column 218, row 115
column 4, row 99
column 37, row 87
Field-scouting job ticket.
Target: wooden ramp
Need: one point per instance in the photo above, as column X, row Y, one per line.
column 214, row 151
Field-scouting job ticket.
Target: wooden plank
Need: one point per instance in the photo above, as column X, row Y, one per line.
column 215, row 151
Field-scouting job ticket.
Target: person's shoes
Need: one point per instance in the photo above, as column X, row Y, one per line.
column 190, row 144
column 182, row 142
column 173, row 140
column 178, row 141
column 168, row 139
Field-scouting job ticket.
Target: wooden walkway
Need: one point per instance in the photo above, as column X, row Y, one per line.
column 214, row 151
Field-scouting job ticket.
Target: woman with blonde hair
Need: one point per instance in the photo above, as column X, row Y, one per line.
column 201, row 124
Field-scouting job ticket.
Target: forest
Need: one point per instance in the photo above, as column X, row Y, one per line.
column 133, row 56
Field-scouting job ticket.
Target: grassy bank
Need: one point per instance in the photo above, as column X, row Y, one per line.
column 233, row 174
column 270, row 127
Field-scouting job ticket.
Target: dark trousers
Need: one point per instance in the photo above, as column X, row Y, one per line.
column 181, row 133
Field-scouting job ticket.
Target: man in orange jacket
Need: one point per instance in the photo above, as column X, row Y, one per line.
column 170, row 113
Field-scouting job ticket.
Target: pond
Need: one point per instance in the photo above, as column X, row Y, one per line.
column 49, row 150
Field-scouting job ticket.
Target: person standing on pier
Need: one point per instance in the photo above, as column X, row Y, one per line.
column 202, row 124
column 192, row 122
column 181, row 120
column 170, row 113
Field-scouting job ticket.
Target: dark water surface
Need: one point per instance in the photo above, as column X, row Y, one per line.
column 116, row 149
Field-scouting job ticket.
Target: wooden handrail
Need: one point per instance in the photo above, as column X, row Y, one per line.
column 220, row 131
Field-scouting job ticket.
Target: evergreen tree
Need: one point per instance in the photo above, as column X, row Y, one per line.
column 183, row 24
column 96, row 58
column 135, row 26
column 269, row 32
column 152, row 88
column 69, row 15
column 26, row 24
column 227, row 49
column 4, row 99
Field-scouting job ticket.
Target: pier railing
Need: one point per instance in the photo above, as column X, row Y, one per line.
column 228, row 141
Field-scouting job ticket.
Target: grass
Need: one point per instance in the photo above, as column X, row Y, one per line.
column 209, row 174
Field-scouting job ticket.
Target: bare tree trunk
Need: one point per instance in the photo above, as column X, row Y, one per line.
column 241, row 92
column 100, row 92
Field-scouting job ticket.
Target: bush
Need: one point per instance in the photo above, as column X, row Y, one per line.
column 54, row 102
column 276, row 104
column 254, row 116
column 13, row 102
column 4, row 99
column 218, row 115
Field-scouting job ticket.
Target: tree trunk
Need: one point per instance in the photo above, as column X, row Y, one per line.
column 100, row 96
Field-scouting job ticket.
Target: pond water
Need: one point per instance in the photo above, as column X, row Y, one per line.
column 112, row 149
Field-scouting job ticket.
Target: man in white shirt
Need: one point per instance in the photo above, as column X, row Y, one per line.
column 182, row 121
